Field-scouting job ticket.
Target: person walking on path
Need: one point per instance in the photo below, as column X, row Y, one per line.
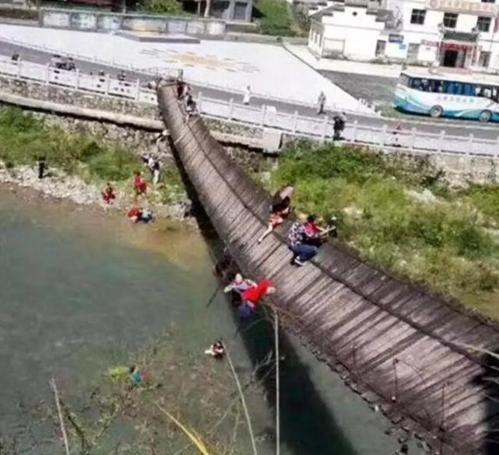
column 339, row 122
column 247, row 95
column 321, row 102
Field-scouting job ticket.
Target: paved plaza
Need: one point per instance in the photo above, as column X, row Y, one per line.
column 269, row 70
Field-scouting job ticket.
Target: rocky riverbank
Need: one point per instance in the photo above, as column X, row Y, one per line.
column 59, row 185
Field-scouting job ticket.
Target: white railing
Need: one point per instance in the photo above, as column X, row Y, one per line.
column 320, row 128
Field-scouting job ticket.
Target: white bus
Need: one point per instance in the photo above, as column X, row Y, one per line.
column 472, row 97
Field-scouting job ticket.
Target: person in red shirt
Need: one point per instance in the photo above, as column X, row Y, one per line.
column 139, row 184
column 135, row 214
column 108, row 194
column 252, row 297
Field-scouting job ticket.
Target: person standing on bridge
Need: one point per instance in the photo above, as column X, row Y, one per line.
column 321, row 103
column 247, row 95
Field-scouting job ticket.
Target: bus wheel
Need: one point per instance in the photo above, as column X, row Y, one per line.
column 436, row 111
column 485, row 116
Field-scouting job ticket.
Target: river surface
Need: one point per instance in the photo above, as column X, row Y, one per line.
column 79, row 288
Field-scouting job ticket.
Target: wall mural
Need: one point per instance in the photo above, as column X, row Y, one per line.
column 194, row 59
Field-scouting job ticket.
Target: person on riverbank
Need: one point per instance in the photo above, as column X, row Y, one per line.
column 239, row 284
column 42, row 165
column 138, row 214
column 321, row 103
column 155, row 168
column 281, row 208
column 247, row 95
column 108, row 194
column 139, row 184
column 252, row 298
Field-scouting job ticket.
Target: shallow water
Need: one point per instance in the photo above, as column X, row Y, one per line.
column 79, row 289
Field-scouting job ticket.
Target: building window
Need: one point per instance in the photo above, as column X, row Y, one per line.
column 418, row 16
column 488, row 1
column 483, row 24
column 484, row 59
column 450, row 20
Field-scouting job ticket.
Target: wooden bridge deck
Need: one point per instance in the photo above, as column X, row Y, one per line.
column 405, row 347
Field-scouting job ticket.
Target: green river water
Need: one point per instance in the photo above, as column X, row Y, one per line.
column 79, row 289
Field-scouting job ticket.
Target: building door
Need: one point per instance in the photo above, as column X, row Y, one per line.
column 380, row 48
column 412, row 52
column 240, row 11
column 450, row 58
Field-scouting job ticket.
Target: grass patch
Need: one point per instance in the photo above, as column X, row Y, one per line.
column 278, row 18
column 24, row 137
column 389, row 213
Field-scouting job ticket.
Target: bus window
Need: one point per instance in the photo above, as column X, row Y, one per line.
column 416, row 83
column 468, row 90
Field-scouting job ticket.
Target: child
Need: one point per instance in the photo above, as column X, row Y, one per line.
column 139, row 184
column 108, row 194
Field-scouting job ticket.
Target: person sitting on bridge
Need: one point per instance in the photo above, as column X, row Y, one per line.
column 302, row 252
column 281, row 208
column 239, row 284
column 190, row 107
column 252, row 298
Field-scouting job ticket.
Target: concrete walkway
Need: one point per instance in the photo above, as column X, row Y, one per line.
column 269, row 70
column 344, row 66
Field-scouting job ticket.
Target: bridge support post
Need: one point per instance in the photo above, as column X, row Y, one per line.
column 413, row 138
column 324, row 128
column 497, row 148
column 295, row 122
column 382, row 135
column 262, row 119
column 441, row 139
column 47, row 74
column 231, row 108
column 354, row 131
column 469, row 149
column 137, row 90
column 77, row 79
column 19, row 68
column 199, row 102
column 107, row 83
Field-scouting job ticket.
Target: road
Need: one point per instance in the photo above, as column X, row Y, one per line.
column 435, row 126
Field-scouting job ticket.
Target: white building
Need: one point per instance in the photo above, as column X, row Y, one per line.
column 455, row 33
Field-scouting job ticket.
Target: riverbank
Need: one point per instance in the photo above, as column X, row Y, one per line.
column 82, row 156
column 403, row 216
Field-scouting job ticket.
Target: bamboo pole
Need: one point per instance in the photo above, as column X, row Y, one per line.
column 277, row 386
column 243, row 402
column 61, row 419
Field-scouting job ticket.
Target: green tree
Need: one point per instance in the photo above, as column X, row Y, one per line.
column 172, row 7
